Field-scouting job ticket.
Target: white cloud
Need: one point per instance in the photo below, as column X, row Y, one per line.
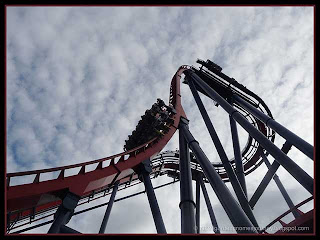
column 79, row 78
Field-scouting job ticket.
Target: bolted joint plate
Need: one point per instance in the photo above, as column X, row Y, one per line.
column 184, row 120
column 146, row 166
column 143, row 168
column 70, row 201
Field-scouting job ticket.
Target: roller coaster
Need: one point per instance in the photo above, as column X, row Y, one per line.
column 142, row 160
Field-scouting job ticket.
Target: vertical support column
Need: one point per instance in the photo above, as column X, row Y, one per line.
column 297, row 172
column 64, row 212
column 222, row 154
column 237, row 153
column 198, row 203
column 236, row 214
column 210, row 209
column 144, row 175
column 109, row 207
column 187, row 204
column 283, row 191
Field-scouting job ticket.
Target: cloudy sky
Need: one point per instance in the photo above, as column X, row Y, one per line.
column 79, row 78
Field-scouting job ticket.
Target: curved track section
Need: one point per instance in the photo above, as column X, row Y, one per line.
column 28, row 199
column 227, row 87
column 39, row 197
column 303, row 224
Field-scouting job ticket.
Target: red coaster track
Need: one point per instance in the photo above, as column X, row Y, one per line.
column 30, row 199
column 39, row 196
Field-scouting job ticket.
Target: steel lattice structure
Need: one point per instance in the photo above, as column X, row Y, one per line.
column 59, row 197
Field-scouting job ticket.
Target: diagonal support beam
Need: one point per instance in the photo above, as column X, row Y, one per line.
column 109, row 207
column 64, row 212
column 235, row 213
column 297, row 172
column 66, row 229
column 237, row 154
column 223, row 156
column 267, row 178
column 295, row 140
column 209, row 206
column 144, row 174
column 283, row 191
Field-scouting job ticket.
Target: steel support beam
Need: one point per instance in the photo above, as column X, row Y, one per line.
column 295, row 140
column 198, row 203
column 66, row 229
column 187, row 205
column 145, row 169
column 209, row 207
column 283, row 191
column 223, row 156
column 64, row 212
column 297, row 172
column 237, row 154
column 109, row 207
column 267, row 178
column 236, row 214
